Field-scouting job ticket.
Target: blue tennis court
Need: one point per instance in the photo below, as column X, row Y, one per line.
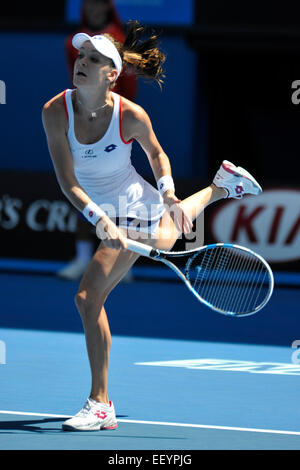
column 181, row 376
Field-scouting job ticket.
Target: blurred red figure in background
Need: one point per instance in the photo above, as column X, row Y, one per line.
column 97, row 17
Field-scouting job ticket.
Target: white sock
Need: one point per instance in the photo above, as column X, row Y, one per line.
column 84, row 250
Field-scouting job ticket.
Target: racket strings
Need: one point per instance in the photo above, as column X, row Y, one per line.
column 230, row 280
column 243, row 269
column 217, row 266
column 215, row 262
column 228, row 290
column 260, row 282
column 203, row 271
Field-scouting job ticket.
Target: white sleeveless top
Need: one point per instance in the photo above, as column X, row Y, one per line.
column 105, row 172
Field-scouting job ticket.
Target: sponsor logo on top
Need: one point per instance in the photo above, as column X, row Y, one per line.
column 89, row 153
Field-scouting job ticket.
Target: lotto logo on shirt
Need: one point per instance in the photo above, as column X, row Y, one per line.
column 110, row 148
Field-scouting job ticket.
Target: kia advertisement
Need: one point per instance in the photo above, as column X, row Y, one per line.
column 269, row 224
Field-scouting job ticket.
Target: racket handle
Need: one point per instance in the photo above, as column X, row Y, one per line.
column 140, row 248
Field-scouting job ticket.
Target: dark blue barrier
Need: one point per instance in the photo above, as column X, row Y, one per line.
column 147, row 309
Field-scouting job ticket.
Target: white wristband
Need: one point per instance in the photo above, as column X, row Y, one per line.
column 164, row 183
column 92, row 212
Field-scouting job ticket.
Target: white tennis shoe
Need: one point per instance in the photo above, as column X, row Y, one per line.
column 92, row 417
column 236, row 181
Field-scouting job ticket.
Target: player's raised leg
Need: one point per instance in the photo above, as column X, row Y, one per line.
column 229, row 182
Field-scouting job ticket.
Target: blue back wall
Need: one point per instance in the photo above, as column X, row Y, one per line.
column 34, row 70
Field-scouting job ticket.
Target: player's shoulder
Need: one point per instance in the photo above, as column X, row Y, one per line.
column 54, row 109
column 133, row 112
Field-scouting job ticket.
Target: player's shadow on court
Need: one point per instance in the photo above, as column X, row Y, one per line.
column 34, row 425
column 37, row 426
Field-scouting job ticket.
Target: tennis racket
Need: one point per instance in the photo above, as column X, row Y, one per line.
column 230, row 279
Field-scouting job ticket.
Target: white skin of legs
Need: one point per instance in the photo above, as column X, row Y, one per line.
column 106, row 269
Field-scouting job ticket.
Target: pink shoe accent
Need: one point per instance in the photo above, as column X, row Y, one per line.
column 110, row 427
column 227, row 168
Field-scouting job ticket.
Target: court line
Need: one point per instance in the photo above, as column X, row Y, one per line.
column 163, row 423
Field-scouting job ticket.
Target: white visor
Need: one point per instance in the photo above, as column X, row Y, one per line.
column 102, row 45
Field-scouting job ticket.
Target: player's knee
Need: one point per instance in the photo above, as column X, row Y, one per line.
column 86, row 303
column 80, row 302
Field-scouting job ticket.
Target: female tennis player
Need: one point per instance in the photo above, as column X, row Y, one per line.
column 90, row 131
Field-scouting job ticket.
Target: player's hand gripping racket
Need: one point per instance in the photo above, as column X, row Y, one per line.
column 229, row 279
